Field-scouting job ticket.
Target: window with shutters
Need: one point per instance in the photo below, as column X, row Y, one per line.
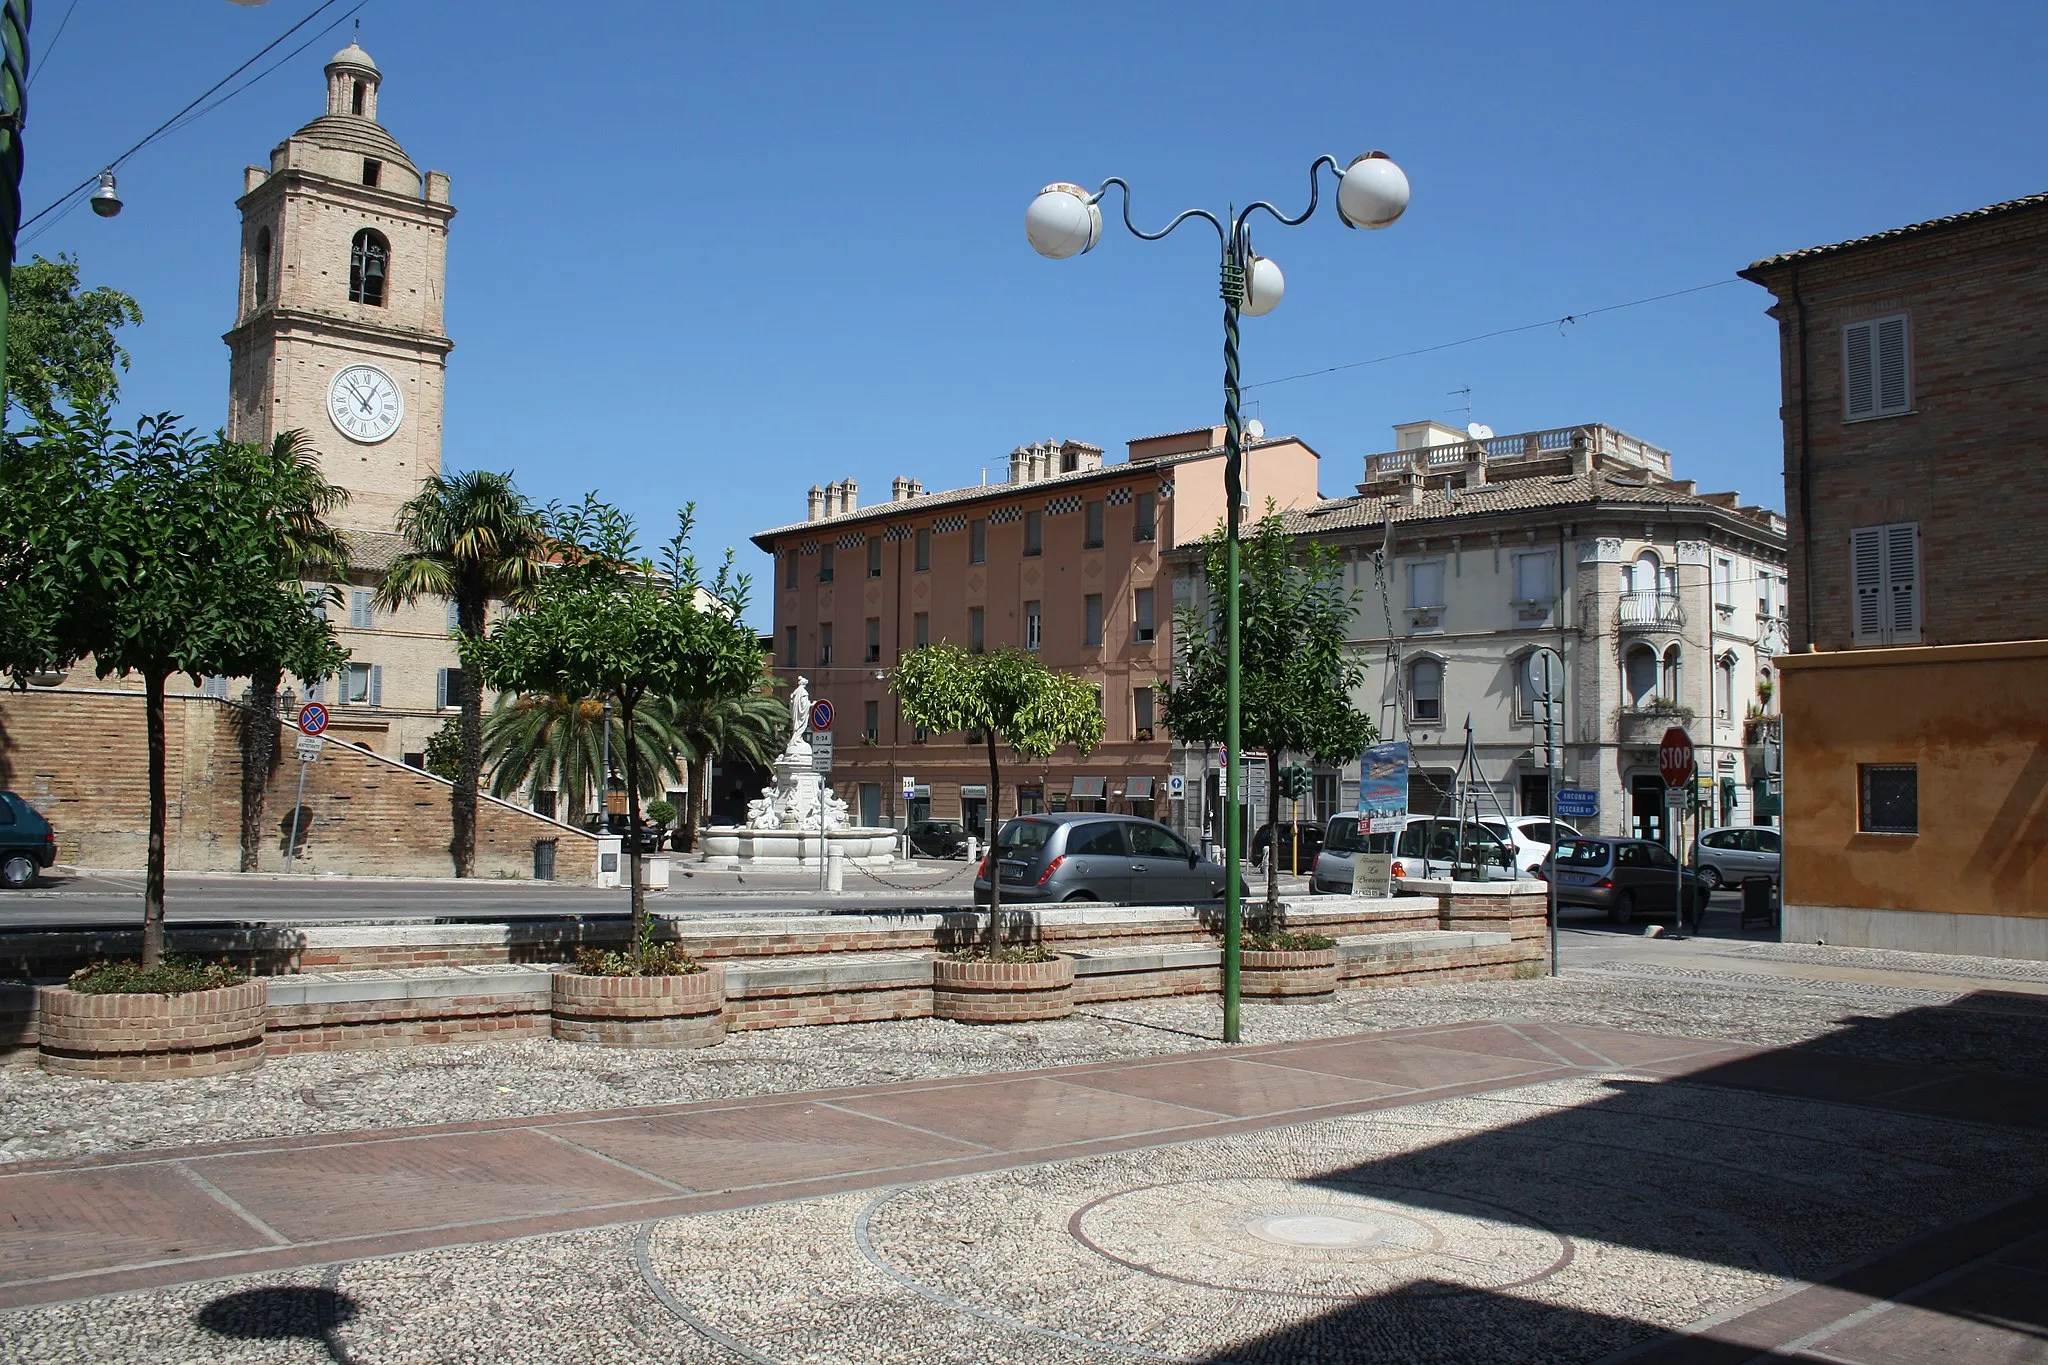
column 454, row 615
column 1426, row 692
column 1142, row 607
column 1876, row 368
column 976, row 641
column 1535, row 579
column 448, row 688
column 921, row 552
column 977, row 541
column 874, row 642
column 827, row 561
column 874, row 556
column 215, row 686
column 789, row 576
column 825, row 644
column 1145, row 517
column 1426, row 584
column 1884, row 573
column 361, row 685
column 1091, row 538
column 921, row 629
column 1034, row 625
column 361, row 610
column 1034, row 533
column 789, row 646
column 1091, row 619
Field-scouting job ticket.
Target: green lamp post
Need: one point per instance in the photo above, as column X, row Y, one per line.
column 1066, row 220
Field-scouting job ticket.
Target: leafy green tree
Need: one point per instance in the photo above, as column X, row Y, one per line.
column 1006, row 696
column 471, row 538
column 61, row 352
column 1296, row 673
column 752, row 727
column 443, row 756
column 321, row 552
column 610, row 622
column 166, row 553
column 535, row 742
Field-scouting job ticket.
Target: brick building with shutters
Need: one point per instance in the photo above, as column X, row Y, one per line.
column 1914, row 366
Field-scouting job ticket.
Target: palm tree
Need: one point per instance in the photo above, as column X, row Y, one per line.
column 321, row 552
column 753, row 727
column 474, row 539
column 555, row 743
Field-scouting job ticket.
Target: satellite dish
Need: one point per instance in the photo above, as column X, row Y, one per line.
column 1255, row 430
column 1479, row 431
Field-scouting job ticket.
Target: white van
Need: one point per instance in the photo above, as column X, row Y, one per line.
column 1426, row 847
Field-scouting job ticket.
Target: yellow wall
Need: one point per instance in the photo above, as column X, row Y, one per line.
column 1974, row 718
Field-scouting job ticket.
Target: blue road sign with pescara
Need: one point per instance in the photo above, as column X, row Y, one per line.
column 1576, row 803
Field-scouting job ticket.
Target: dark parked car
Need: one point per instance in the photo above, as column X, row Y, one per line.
column 938, row 838
column 27, row 843
column 1625, row 878
column 1309, row 835
column 1080, row 856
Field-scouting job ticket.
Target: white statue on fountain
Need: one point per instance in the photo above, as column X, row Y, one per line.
column 792, row 797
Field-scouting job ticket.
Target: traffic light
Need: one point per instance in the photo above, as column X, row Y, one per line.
column 1295, row 781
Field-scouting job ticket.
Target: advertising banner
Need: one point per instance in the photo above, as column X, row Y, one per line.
column 1383, row 781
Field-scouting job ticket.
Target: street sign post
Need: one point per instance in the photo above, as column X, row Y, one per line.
column 1176, row 787
column 909, row 787
column 821, row 752
column 312, row 721
column 1675, row 763
column 1546, row 674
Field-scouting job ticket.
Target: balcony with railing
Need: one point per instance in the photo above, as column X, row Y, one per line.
column 1649, row 611
column 1527, row 446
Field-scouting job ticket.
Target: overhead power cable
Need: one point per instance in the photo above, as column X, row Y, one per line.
column 1558, row 322
column 180, row 119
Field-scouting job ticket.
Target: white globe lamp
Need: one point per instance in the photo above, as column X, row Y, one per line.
column 1061, row 222
column 1264, row 287
column 1373, row 192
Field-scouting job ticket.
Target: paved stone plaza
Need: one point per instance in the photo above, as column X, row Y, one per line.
column 1697, row 1152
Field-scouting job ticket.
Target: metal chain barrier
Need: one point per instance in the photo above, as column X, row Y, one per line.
column 922, row 886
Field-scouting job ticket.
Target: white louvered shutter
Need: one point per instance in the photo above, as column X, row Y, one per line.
column 1902, row 581
column 376, row 684
column 441, row 690
column 1892, row 394
column 1859, row 387
column 1866, row 577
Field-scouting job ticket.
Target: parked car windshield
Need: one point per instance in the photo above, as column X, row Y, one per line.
column 1540, row 831
column 1344, row 836
column 1582, row 853
column 1023, row 836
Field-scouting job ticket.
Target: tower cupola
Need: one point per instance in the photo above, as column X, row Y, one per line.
column 352, row 80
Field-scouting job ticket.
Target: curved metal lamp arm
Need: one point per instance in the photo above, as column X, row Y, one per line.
column 1180, row 218
column 1314, row 197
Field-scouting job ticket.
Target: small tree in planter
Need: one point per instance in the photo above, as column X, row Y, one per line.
column 1008, row 696
column 158, row 552
column 661, row 814
column 1296, row 672
column 608, row 622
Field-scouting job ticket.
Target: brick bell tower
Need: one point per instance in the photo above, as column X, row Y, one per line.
column 339, row 327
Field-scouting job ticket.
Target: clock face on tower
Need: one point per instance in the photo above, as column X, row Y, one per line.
column 364, row 404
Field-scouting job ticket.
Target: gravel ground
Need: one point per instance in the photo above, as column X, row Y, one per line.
column 43, row 1116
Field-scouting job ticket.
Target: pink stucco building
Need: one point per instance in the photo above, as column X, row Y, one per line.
column 1065, row 559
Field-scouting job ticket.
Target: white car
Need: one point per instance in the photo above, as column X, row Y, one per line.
column 1532, row 837
column 1425, row 848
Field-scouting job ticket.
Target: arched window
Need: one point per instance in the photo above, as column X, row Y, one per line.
column 259, row 268
column 1649, row 571
column 1673, row 676
column 1724, row 687
column 1639, row 676
column 1426, row 692
column 369, row 259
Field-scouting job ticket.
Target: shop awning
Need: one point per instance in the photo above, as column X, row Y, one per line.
column 1090, row 786
column 1138, row 789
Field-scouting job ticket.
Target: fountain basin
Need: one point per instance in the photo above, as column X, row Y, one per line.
column 734, row 846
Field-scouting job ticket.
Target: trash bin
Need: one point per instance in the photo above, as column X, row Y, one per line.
column 543, row 860
column 1759, row 902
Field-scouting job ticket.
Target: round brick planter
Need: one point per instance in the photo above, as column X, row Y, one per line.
column 151, row 1037
column 640, row 1011
column 1002, row 992
column 1295, row 974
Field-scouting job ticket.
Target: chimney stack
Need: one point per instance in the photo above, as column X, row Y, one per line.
column 917, row 488
column 1475, row 467
column 849, row 496
column 899, row 488
column 1411, row 487
column 814, row 505
column 1582, row 454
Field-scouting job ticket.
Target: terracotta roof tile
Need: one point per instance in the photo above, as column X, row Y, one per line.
column 2031, row 201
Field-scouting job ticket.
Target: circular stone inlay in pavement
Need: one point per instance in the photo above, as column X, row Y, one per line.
column 1314, row 1240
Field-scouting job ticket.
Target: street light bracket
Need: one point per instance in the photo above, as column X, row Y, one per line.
column 1179, row 218
column 1314, row 197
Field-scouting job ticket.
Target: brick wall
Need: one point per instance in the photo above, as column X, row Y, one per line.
column 1969, row 463
column 81, row 757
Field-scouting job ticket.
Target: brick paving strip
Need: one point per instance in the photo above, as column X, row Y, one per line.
column 79, row 1228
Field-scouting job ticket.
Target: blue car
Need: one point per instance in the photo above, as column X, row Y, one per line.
column 27, row 842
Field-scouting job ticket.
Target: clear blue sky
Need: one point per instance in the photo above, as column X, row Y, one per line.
column 719, row 253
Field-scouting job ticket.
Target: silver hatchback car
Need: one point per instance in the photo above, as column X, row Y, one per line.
column 1730, row 856
column 1093, row 857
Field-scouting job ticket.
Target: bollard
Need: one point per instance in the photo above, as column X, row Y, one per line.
column 835, row 871
column 973, row 849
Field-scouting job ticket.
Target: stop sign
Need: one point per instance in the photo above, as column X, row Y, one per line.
column 1674, row 757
